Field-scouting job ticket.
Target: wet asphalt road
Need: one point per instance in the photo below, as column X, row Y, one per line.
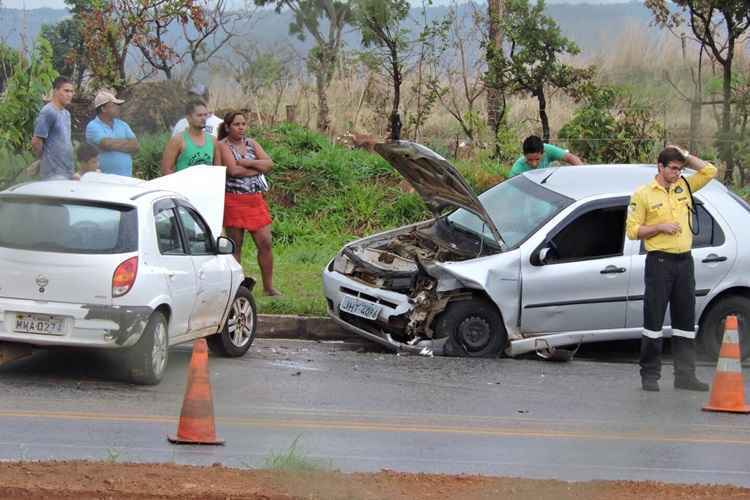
column 365, row 410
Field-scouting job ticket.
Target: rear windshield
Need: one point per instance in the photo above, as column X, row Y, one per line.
column 66, row 226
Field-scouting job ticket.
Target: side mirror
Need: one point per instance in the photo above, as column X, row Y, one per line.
column 543, row 253
column 224, row 245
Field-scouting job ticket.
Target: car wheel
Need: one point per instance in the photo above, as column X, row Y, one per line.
column 712, row 328
column 238, row 333
column 474, row 329
column 147, row 359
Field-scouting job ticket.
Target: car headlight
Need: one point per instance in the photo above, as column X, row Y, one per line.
column 342, row 264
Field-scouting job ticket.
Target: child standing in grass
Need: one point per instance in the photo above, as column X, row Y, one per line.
column 88, row 159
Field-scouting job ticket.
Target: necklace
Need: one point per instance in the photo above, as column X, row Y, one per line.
column 238, row 145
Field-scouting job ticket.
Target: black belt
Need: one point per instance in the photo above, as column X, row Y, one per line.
column 673, row 256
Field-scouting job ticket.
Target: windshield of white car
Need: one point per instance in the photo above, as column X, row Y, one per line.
column 518, row 207
column 67, row 226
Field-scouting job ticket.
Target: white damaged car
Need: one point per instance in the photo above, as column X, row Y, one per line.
column 116, row 263
column 536, row 262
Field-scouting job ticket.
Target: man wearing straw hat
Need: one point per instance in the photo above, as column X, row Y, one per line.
column 111, row 136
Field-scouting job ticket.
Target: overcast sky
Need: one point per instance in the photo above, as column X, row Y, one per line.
column 60, row 4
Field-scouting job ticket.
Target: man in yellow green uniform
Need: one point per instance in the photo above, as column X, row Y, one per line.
column 660, row 214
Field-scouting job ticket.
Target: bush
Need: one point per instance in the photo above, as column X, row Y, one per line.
column 147, row 162
column 9, row 58
column 13, row 167
column 613, row 127
column 22, row 99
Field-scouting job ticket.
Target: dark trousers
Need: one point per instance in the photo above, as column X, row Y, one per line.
column 670, row 280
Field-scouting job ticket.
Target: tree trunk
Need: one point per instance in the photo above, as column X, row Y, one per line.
column 543, row 114
column 725, row 146
column 361, row 101
column 291, row 113
column 324, row 122
column 418, row 121
column 495, row 101
column 696, row 114
column 744, row 131
column 395, row 119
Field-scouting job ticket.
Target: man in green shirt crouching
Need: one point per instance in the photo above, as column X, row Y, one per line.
column 537, row 154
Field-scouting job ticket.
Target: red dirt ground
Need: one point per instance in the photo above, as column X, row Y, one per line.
column 105, row 481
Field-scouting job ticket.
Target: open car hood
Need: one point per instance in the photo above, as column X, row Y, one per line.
column 436, row 180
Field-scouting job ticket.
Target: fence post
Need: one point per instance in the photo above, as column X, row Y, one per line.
column 291, row 113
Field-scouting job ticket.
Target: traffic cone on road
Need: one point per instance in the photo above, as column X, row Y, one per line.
column 727, row 390
column 197, row 416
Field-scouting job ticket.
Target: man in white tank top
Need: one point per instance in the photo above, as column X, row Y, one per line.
column 212, row 122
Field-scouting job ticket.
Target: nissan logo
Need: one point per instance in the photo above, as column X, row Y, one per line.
column 42, row 281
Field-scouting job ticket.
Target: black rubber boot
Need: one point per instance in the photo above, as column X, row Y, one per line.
column 650, row 385
column 683, row 352
column 650, row 363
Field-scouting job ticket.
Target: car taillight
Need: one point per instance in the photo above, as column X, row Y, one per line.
column 124, row 277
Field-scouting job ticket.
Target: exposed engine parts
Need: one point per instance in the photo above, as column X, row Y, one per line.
column 397, row 262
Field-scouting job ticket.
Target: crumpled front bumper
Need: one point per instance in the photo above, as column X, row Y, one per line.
column 336, row 286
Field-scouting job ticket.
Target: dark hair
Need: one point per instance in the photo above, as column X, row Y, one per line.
column 669, row 155
column 228, row 119
column 60, row 81
column 533, row 144
column 191, row 106
column 85, row 152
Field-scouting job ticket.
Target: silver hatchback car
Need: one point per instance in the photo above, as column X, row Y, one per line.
column 536, row 262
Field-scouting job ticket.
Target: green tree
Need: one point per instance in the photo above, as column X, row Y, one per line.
column 721, row 26
column 459, row 84
column 381, row 25
column 68, row 54
column 110, row 28
column 8, row 61
column 20, row 103
column 261, row 71
column 613, row 126
column 328, row 40
column 535, row 46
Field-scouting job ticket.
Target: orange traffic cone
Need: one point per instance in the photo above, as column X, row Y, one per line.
column 727, row 390
column 197, row 416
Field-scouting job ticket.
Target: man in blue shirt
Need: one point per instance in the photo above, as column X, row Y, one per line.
column 111, row 136
column 51, row 141
column 537, row 154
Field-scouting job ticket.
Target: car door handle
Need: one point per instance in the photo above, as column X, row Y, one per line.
column 714, row 258
column 202, row 275
column 612, row 270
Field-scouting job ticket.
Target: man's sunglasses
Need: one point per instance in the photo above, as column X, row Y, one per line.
column 675, row 169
